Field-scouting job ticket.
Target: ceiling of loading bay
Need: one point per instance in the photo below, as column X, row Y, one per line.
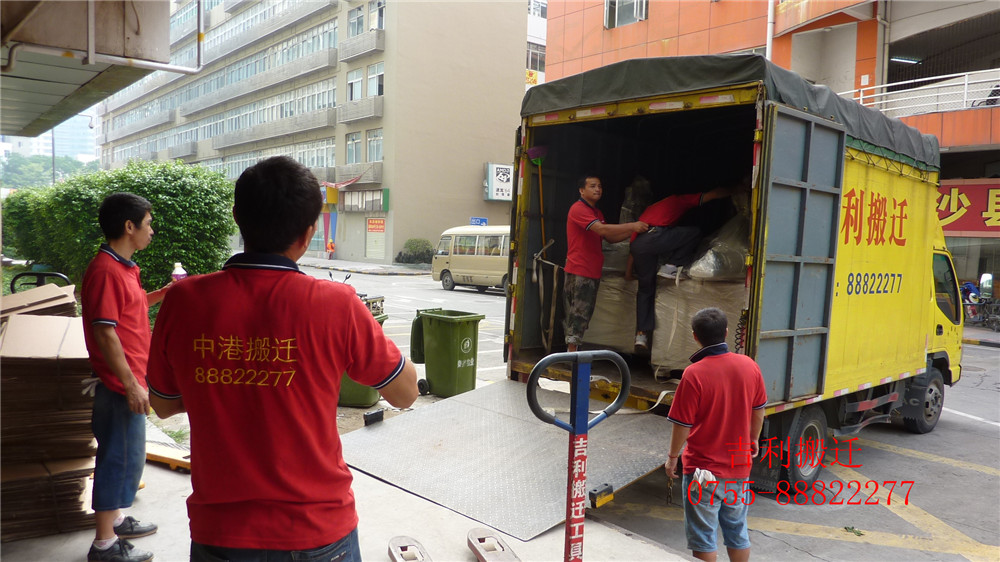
column 42, row 90
column 964, row 46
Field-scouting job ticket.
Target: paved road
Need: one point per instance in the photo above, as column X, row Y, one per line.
column 951, row 512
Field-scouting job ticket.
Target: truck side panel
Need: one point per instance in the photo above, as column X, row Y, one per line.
column 883, row 292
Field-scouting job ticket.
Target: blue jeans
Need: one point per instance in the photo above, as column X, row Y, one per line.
column 729, row 511
column 347, row 549
column 121, row 450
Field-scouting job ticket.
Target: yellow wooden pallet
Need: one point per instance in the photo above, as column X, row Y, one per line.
column 174, row 458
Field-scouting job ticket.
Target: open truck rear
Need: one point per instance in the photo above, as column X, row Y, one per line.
column 832, row 270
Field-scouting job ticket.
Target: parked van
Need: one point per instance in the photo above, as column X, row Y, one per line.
column 472, row 255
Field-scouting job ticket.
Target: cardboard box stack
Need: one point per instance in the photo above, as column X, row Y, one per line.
column 47, row 300
column 46, row 444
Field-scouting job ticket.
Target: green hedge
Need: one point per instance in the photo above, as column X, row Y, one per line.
column 192, row 219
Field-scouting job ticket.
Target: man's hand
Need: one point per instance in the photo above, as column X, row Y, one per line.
column 671, row 467
column 138, row 398
column 639, row 226
column 754, row 449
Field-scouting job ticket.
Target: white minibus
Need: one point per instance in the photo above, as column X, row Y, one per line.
column 472, row 255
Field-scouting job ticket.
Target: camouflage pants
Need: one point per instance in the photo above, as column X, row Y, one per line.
column 579, row 296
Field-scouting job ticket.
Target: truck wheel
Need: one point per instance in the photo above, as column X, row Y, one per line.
column 933, row 403
column 810, row 431
column 446, row 281
column 506, row 286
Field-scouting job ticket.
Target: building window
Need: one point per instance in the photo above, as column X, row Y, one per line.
column 356, row 22
column 538, row 8
column 375, row 145
column 623, row 12
column 354, row 92
column 364, row 200
column 376, row 73
column 376, row 14
column 536, row 57
column 353, row 148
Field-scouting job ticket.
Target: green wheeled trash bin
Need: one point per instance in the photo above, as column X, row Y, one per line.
column 357, row 395
column 449, row 348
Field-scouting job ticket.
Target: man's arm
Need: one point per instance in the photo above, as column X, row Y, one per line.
column 756, row 423
column 678, row 437
column 618, row 232
column 164, row 407
column 718, row 193
column 111, row 348
column 402, row 391
column 157, row 295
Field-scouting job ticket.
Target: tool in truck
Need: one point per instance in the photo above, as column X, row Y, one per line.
column 834, row 266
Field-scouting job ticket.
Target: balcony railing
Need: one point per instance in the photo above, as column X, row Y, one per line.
column 264, row 29
column 364, row 108
column 951, row 92
column 183, row 150
column 370, row 172
column 297, row 124
column 361, row 45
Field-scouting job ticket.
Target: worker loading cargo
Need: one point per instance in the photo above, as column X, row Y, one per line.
column 671, row 241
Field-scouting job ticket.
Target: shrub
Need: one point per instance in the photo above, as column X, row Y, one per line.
column 416, row 250
column 192, row 219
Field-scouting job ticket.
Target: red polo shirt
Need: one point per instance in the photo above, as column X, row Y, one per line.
column 583, row 254
column 113, row 296
column 256, row 353
column 669, row 210
column 715, row 398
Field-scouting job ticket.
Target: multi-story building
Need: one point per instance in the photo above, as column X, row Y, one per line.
column 398, row 106
column 935, row 65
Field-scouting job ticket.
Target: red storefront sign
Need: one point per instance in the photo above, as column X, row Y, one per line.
column 970, row 208
column 376, row 225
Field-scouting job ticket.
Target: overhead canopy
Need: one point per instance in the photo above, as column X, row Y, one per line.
column 641, row 78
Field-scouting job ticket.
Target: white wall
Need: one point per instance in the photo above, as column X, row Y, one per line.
column 826, row 57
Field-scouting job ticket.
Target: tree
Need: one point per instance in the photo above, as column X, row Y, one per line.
column 20, row 172
column 192, row 219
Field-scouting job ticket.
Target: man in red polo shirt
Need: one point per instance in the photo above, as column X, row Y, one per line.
column 116, row 329
column 718, row 410
column 254, row 354
column 584, row 259
column 666, row 241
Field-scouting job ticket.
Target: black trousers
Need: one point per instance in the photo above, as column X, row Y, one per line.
column 674, row 244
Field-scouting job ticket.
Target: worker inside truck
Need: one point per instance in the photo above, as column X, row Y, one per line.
column 667, row 248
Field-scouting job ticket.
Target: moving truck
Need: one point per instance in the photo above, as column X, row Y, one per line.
column 832, row 267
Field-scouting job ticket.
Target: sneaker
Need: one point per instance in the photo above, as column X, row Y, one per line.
column 133, row 529
column 668, row 270
column 121, row 551
column 641, row 341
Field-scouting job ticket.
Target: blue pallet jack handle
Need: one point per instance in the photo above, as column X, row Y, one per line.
column 579, row 424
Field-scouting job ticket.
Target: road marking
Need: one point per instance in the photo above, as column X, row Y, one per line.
column 970, row 416
column 943, row 537
column 928, row 457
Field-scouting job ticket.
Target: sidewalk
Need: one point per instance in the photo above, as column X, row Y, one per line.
column 385, row 511
column 978, row 335
column 366, row 268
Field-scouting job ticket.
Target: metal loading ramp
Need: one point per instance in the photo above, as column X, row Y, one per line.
column 484, row 454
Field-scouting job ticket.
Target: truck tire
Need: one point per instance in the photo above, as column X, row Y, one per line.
column 446, row 281
column 809, row 428
column 927, row 416
column 506, row 286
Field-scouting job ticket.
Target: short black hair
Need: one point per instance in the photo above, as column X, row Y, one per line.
column 581, row 182
column 276, row 200
column 709, row 326
column 117, row 209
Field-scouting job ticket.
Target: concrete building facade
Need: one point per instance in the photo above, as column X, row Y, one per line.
column 933, row 64
column 397, row 106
